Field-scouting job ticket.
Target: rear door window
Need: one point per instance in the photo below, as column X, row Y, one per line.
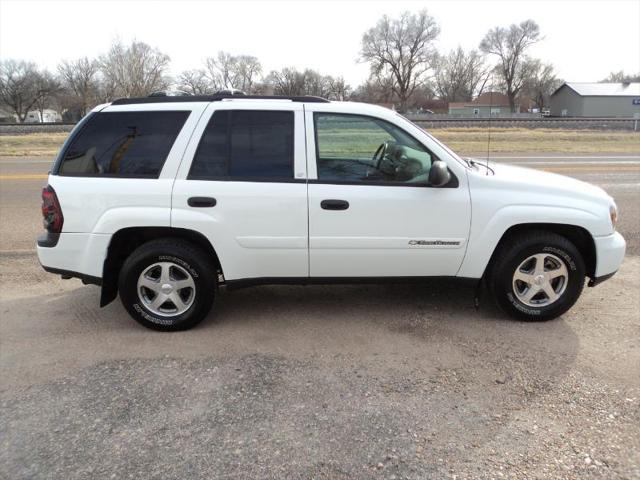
column 250, row 145
column 123, row 144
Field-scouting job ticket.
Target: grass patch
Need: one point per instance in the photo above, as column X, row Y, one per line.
column 517, row 140
column 32, row 144
column 462, row 140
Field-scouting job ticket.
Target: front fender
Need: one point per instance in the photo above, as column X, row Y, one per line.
column 486, row 235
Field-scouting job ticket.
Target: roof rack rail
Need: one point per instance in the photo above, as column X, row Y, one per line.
column 169, row 93
column 230, row 91
column 217, row 98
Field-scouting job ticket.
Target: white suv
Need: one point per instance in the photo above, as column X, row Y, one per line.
column 163, row 199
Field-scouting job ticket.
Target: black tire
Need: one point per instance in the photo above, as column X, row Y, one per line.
column 510, row 255
column 185, row 257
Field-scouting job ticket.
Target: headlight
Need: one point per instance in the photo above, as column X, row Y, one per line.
column 613, row 213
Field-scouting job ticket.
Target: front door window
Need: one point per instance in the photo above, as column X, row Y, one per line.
column 355, row 148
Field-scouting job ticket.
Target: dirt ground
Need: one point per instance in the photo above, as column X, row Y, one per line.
column 318, row 382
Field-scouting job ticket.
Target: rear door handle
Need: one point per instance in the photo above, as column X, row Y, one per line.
column 334, row 204
column 201, row 202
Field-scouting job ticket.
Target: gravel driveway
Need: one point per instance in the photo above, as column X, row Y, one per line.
column 317, row 382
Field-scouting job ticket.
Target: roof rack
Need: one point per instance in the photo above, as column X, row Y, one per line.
column 217, row 98
column 169, row 93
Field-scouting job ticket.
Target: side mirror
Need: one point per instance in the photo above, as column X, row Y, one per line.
column 439, row 174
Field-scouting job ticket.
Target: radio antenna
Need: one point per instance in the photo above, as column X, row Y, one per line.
column 489, row 131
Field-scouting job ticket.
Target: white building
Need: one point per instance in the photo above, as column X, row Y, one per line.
column 47, row 116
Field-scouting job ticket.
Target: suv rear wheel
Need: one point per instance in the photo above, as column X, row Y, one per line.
column 167, row 284
column 537, row 276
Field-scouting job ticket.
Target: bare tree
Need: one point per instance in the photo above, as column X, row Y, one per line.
column 287, row 81
column 621, row 77
column 290, row 81
column 377, row 89
column 246, row 71
column 338, row 88
column 402, row 49
column 48, row 87
column 194, row 82
column 219, row 70
column 461, row 76
column 510, row 46
column 540, row 83
column 422, row 97
column 231, row 71
column 316, row 84
column 80, row 77
column 136, row 70
column 19, row 86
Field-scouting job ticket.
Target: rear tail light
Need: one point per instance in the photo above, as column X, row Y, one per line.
column 52, row 218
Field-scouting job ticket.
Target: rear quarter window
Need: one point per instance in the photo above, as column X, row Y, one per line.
column 123, row 144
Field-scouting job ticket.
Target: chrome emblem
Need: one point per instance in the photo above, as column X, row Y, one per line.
column 433, row 242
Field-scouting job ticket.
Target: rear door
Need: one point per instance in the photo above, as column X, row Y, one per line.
column 372, row 212
column 242, row 183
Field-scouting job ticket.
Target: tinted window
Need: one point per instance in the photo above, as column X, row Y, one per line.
column 123, row 144
column 353, row 148
column 246, row 144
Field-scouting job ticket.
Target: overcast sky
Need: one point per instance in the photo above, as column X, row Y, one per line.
column 584, row 40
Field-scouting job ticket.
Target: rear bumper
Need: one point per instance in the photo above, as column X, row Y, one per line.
column 48, row 239
column 609, row 255
column 79, row 255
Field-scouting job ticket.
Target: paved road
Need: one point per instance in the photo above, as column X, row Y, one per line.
column 325, row 382
column 21, row 180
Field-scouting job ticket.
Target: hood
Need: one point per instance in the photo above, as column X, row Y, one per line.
column 531, row 180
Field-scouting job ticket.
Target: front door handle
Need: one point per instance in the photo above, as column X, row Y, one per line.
column 334, row 204
column 201, row 202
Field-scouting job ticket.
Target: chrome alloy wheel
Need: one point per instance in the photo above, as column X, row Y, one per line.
column 166, row 289
column 540, row 280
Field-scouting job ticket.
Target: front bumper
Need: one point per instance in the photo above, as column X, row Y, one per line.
column 609, row 255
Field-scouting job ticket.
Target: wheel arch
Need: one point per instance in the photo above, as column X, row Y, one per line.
column 577, row 235
column 126, row 240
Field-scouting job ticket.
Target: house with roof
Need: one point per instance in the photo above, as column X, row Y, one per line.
column 575, row 99
column 494, row 103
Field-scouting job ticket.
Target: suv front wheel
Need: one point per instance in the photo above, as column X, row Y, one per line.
column 537, row 276
column 167, row 284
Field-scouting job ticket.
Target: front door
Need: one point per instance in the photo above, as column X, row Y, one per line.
column 372, row 212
